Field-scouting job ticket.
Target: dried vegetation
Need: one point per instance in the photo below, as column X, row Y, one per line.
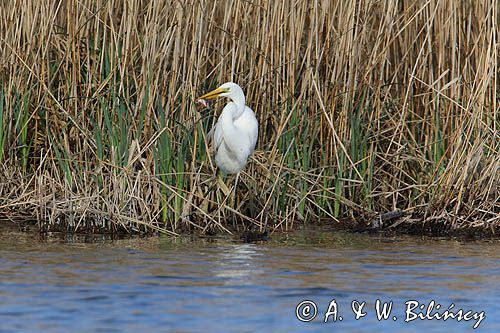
column 365, row 107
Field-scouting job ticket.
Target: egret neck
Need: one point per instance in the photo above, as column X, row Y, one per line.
column 238, row 99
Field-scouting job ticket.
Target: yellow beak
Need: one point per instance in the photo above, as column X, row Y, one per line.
column 214, row 93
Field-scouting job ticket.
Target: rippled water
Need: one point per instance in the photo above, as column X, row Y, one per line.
column 186, row 285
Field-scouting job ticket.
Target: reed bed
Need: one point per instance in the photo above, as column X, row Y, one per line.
column 365, row 107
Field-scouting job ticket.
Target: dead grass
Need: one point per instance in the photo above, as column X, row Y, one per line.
column 364, row 107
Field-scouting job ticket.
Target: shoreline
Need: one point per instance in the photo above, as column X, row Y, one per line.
column 397, row 228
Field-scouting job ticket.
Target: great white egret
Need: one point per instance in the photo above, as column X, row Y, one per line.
column 235, row 133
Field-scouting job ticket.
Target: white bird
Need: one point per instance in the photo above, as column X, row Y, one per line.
column 235, row 133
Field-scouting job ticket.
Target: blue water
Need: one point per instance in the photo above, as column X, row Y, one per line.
column 185, row 285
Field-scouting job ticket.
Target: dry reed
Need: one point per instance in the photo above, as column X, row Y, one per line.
column 364, row 107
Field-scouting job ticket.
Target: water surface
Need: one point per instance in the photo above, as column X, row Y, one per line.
column 221, row 285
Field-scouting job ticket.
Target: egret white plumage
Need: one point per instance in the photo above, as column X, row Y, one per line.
column 235, row 133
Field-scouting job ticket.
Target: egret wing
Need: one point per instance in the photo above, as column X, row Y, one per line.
column 216, row 134
column 248, row 126
column 252, row 126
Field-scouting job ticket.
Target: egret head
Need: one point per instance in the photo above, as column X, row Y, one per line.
column 228, row 89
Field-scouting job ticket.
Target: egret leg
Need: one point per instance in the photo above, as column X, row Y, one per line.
column 225, row 190
column 234, row 189
column 219, row 182
column 222, row 185
column 233, row 198
column 229, row 193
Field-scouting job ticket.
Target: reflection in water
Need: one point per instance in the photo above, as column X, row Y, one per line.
column 219, row 285
column 237, row 263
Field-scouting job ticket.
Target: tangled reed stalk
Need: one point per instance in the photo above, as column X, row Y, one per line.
column 364, row 107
